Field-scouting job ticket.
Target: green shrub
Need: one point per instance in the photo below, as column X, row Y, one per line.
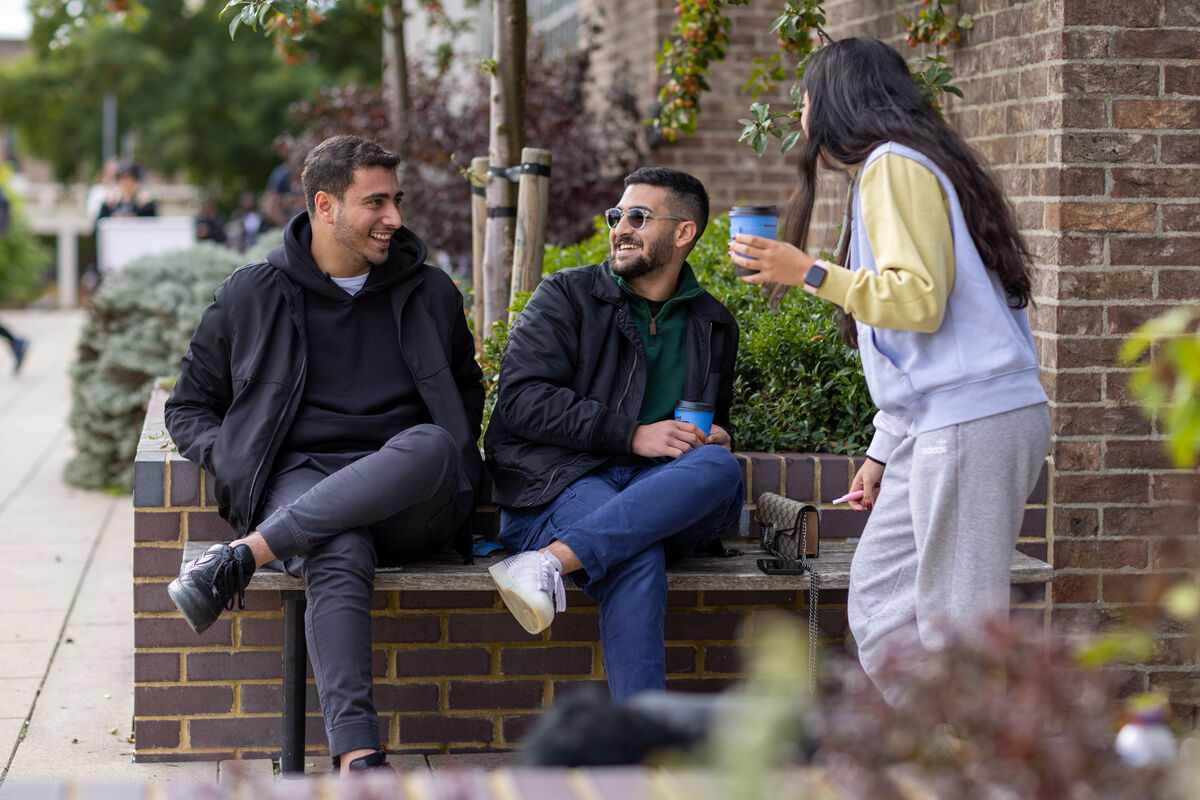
column 23, row 258
column 796, row 387
column 138, row 326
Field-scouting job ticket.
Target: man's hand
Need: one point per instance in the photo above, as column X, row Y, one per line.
column 718, row 435
column 668, row 438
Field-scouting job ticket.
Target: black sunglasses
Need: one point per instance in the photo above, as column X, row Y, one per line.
column 637, row 217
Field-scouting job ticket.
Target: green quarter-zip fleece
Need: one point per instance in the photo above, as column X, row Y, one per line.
column 665, row 345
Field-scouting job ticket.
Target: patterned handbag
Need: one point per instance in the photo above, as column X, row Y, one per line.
column 789, row 528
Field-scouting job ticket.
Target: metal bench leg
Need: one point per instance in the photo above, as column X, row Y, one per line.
column 295, row 671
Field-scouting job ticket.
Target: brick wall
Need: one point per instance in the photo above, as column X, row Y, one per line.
column 454, row 672
column 628, row 37
column 1089, row 113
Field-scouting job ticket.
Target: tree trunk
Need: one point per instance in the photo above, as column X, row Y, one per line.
column 395, row 82
column 506, row 138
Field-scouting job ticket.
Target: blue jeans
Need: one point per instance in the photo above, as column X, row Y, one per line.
column 626, row 523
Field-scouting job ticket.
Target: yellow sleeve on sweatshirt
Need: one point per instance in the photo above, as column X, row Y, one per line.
column 907, row 220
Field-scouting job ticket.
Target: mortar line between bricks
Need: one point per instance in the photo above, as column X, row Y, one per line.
column 87, row 566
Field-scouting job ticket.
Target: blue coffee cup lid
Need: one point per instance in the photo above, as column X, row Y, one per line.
column 753, row 211
column 692, row 405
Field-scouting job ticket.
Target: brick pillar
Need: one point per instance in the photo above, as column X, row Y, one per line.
column 1127, row 225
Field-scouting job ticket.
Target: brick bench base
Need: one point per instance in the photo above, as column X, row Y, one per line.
column 447, row 573
column 453, row 671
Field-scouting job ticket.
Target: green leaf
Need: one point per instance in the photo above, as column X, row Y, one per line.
column 1104, row 650
column 1182, row 601
column 790, row 141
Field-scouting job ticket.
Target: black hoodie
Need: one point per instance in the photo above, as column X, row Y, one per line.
column 246, row 370
column 359, row 391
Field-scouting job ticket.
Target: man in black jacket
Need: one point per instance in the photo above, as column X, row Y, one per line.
column 332, row 392
column 595, row 476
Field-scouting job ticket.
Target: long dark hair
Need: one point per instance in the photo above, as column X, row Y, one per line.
column 861, row 95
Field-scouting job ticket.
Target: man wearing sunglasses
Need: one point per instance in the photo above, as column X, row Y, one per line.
column 595, row 478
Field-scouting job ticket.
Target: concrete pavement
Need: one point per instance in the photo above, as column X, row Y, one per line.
column 66, row 588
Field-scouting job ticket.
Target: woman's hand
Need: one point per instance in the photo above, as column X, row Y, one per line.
column 773, row 261
column 868, row 478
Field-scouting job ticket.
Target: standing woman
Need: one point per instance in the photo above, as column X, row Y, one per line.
column 935, row 283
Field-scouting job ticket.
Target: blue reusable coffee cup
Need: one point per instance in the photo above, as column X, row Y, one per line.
column 756, row 220
column 699, row 414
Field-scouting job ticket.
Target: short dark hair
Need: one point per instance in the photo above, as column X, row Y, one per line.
column 686, row 196
column 329, row 167
column 129, row 168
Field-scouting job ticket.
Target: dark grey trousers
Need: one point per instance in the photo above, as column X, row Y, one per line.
column 330, row 518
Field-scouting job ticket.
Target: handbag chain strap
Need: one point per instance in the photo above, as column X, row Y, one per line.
column 767, row 534
column 814, row 589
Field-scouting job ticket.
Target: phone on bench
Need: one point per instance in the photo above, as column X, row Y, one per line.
column 781, row 566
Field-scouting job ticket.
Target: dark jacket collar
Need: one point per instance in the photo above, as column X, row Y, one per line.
column 406, row 255
column 604, row 287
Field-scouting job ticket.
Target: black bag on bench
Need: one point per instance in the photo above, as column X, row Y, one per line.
column 789, row 528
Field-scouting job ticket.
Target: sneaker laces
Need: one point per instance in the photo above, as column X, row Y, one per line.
column 552, row 584
column 231, row 580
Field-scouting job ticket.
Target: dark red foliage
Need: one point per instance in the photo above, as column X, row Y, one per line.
column 1011, row 714
column 591, row 152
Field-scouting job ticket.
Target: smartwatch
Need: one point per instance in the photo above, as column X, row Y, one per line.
column 815, row 277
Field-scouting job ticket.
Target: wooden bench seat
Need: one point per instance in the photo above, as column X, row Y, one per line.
column 446, row 572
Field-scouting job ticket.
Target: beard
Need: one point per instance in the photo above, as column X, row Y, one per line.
column 355, row 245
column 654, row 257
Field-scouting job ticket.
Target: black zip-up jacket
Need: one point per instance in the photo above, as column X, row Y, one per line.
column 572, row 380
column 243, row 374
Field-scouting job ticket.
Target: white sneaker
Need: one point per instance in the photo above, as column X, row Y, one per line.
column 531, row 586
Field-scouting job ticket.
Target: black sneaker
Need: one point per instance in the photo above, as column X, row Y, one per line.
column 210, row 583
column 372, row 762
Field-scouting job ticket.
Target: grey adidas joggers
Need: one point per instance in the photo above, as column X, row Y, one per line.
column 935, row 555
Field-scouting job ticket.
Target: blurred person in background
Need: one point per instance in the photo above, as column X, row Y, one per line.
column 210, row 223
column 247, row 223
column 130, row 199
column 282, row 199
column 19, row 346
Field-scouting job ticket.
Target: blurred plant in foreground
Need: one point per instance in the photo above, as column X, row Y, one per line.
column 1010, row 713
column 1167, row 384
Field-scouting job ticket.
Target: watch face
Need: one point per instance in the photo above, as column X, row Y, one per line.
column 815, row 276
